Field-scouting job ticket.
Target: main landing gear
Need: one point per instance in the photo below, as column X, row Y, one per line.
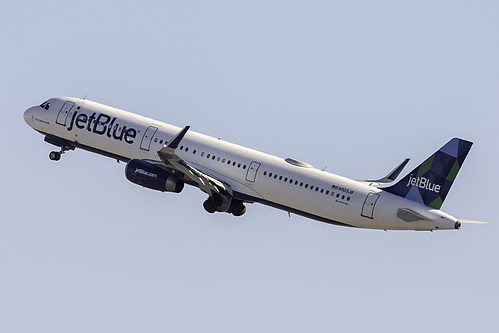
column 239, row 210
column 56, row 155
column 210, row 206
column 237, row 207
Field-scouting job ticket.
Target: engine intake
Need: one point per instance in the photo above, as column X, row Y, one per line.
column 151, row 176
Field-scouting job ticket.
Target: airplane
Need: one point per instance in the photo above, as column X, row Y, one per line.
column 163, row 157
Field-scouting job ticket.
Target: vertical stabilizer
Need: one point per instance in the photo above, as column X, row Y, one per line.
column 430, row 182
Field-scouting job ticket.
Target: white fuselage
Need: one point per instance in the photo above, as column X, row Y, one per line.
column 253, row 176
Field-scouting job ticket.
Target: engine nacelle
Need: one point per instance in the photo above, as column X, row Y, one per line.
column 151, row 176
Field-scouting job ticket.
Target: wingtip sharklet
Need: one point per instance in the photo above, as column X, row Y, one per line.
column 173, row 144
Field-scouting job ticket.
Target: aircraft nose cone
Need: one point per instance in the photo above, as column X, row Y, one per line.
column 28, row 114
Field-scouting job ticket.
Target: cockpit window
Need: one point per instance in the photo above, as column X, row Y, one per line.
column 45, row 105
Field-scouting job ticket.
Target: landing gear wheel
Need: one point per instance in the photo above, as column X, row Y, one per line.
column 240, row 210
column 210, row 206
column 55, row 155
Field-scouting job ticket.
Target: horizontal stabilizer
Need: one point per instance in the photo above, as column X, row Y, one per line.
column 391, row 176
column 472, row 221
column 408, row 215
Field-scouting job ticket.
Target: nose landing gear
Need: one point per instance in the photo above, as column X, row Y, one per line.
column 63, row 143
column 56, row 155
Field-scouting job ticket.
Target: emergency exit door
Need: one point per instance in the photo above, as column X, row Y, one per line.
column 252, row 170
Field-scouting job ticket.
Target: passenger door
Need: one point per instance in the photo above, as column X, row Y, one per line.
column 146, row 139
column 63, row 114
column 369, row 204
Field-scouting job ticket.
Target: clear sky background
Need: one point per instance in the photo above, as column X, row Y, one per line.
column 353, row 86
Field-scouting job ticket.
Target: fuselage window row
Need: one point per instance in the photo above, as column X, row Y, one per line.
column 265, row 173
column 317, row 188
column 213, row 157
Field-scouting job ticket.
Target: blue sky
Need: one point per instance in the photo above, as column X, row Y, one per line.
column 355, row 87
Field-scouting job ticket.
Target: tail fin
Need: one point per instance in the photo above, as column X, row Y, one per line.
column 430, row 182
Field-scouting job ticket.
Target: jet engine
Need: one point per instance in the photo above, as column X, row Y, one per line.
column 151, row 176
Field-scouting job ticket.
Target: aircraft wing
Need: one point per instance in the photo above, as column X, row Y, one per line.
column 215, row 188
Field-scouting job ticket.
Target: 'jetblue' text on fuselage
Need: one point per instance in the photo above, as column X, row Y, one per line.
column 102, row 124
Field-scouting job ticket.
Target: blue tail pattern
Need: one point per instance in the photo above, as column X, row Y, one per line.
column 431, row 181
